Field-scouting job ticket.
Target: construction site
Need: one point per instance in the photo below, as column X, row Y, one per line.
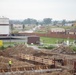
column 29, row 61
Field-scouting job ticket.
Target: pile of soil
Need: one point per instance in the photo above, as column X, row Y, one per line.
column 16, row 50
column 15, row 62
column 63, row 50
column 9, row 53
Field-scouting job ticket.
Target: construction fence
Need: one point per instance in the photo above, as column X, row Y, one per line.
column 52, row 35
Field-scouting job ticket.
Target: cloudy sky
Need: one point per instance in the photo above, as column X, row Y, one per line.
column 38, row 9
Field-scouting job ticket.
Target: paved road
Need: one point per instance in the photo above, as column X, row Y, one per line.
column 35, row 47
column 13, row 38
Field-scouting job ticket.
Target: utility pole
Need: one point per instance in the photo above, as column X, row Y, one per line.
column 10, row 35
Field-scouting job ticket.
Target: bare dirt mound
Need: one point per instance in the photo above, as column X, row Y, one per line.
column 62, row 49
column 10, row 52
column 16, row 50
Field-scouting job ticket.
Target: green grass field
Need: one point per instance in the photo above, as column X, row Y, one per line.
column 48, row 40
column 6, row 44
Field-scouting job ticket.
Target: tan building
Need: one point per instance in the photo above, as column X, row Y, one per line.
column 71, row 31
column 74, row 24
column 57, row 30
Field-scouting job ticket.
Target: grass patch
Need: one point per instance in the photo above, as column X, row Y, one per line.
column 6, row 44
column 73, row 48
column 2, row 48
column 46, row 47
column 47, row 40
column 49, row 47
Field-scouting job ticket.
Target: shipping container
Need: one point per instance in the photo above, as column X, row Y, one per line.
column 33, row 40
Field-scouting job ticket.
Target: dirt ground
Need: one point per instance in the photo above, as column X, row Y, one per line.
column 13, row 52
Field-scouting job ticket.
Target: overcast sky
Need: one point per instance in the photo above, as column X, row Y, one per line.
column 38, row 9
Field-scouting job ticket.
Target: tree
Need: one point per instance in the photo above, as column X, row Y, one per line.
column 23, row 26
column 55, row 22
column 47, row 20
column 29, row 21
column 36, row 23
column 63, row 22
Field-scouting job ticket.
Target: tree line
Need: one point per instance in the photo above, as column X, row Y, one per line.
column 31, row 21
column 45, row 21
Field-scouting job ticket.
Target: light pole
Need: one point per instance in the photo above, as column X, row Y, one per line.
column 10, row 35
column 10, row 39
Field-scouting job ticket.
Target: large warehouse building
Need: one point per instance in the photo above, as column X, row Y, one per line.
column 4, row 26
